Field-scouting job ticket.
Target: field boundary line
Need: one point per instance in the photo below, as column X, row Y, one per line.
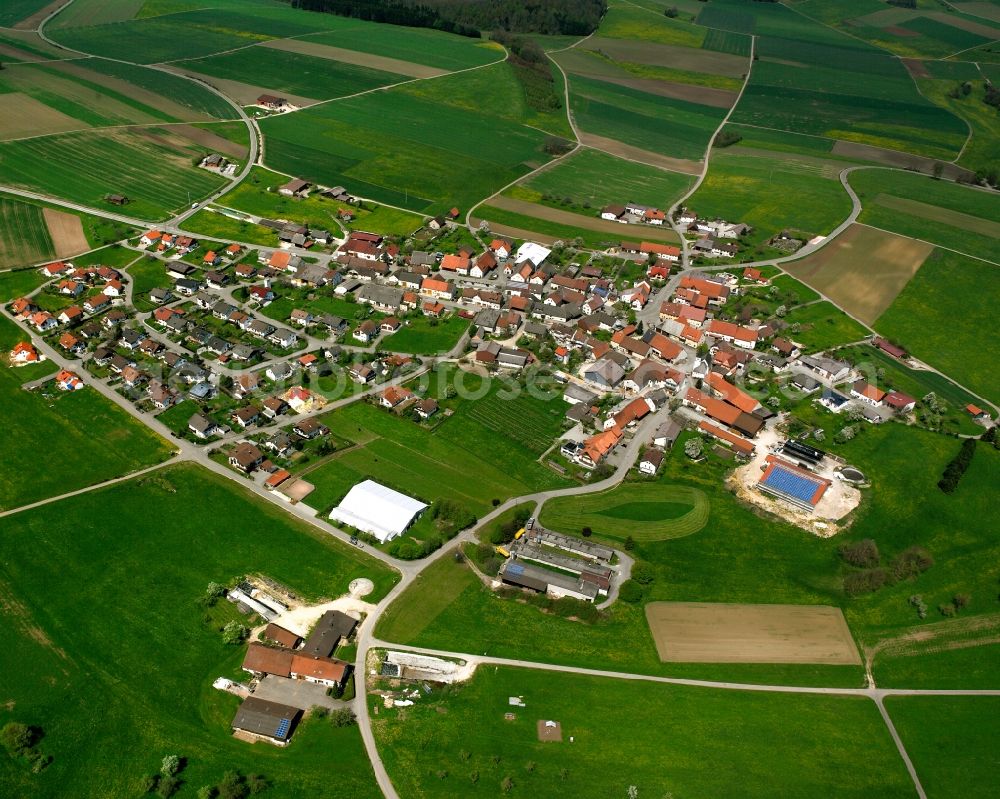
column 113, row 127
column 931, row 243
column 174, row 459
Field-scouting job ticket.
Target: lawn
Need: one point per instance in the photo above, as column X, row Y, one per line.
column 939, row 318
column 937, row 211
column 644, row 511
column 421, row 336
column 150, row 166
column 821, row 325
column 402, row 150
column 66, row 441
column 219, row 226
column 551, row 230
column 258, row 196
column 968, row 667
column 293, row 73
column 107, row 730
column 650, row 737
column 598, row 179
column 14, row 284
column 626, row 21
column 756, row 190
column 24, row 236
column 980, row 152
column 951, row 742
column 435, row 464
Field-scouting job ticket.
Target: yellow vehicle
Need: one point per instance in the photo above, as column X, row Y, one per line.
column 518, row 534
column 503, row 551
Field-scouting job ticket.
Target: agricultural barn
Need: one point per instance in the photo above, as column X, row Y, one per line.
column 268, row 721
column 378, row 510
column 796, row 486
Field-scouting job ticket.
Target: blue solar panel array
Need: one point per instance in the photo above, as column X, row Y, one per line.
column 515, row 569
column 282, row 730
column 792, row 484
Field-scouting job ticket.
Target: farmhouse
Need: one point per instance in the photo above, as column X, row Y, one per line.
column 377, row 509
column 332, row 628
column 527, row 575
column 268, row 721
column 867, row 393
column 272, row 103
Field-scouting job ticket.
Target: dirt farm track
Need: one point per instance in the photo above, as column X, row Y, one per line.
column 710, row 632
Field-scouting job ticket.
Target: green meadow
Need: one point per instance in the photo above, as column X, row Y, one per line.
column 940, row 317
column 402, row 150
column 152, row 168
column 80, row 438
column 165, row 537
column 649, row 739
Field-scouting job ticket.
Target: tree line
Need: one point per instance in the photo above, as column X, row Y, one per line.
column 569, row 17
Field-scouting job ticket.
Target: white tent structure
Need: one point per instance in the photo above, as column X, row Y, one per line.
column 529, row 251
column 378, row 510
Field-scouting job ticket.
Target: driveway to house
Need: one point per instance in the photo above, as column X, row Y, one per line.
column 297, row 693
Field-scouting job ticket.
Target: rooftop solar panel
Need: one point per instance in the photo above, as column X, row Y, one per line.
column 515, row 568
column 282, row 728
column 792, row 484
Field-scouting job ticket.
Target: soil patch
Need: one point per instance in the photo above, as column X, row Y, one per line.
column 66, row 232
column 967, row 25
column 32, row 22
column 903, row 33
column 15, row 54
column 549, row 731
column 980, row 9
column 863, row 269
column 637, row 154
column 716, row 98
column 209, row 140
column 916, row 67
column 710, row 632
column 976, row 224
column 243, row 93
column 615, row 229
column 519, row 233
column 895, row 158
column 22, row 116
column 383, row 63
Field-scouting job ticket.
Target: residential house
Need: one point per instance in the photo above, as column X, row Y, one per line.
column 246, row 457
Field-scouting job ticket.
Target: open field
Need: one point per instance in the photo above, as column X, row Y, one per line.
column 421, row 336
column 641, row 119
column 151, row 166
column 65, row 559
column 531, row 226
column 598, row 179
column 368, row 60
column 66, row 231
column 627, row 21
column 813, row 78
column 967, row 667
column 822, row 325
column 403, row 150
column 761, row 560
column 933, row 210
column 431, row 48
column 258, row 195
column 755, row 189
column 949, row 740
column 84, row 438
column 287, row 72
column 645, row 511
column 670, row 56
column 658, row 735
column 24, row 234
column 435, row 465
column 979, row 152
column 863, row 269
column 16, row 283
column 640, row 155
column 609, row 230
column 15, row 11
column 939, row 318
column 699, row 632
